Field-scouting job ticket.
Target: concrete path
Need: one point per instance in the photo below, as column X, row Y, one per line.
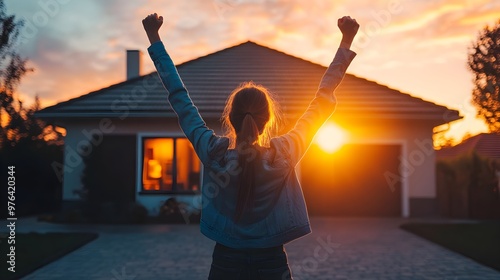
column 338, row 248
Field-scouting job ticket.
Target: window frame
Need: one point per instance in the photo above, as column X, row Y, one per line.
column 140, row 161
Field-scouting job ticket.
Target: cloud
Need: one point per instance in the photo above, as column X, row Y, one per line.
column 82, row 47
column 423, row 19
column 490, row 16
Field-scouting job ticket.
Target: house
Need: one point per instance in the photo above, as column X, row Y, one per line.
column 484, row 144
column 467, row 187
column 386, row 167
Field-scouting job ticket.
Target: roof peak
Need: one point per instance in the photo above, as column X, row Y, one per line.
column 288, row 74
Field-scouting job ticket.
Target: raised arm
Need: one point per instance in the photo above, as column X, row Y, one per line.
column 297, row 141
column 203, row 139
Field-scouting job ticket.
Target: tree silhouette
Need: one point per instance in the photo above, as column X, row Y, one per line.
column 17, row 123
column 484, row 62
column 12, row 68
column 25, row 141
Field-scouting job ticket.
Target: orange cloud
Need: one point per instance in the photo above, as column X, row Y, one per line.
column 83, row 48
column 482, row 18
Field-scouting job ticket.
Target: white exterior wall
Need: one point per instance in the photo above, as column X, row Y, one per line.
column 73, row 164
column 78, row 137
column 417, row 154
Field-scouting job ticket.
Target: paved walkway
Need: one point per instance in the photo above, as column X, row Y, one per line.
column 338, row 248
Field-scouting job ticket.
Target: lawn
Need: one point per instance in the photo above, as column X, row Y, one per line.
column 478, row 241
column 34, row 250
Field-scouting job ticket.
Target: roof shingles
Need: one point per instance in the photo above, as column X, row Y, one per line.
column 211, row 78
column 487, row 145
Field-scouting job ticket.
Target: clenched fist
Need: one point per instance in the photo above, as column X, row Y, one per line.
column 152, row 24
column 349, row 27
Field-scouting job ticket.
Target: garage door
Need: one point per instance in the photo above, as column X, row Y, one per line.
column 351, row 182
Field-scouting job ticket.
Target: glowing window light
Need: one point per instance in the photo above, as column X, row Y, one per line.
column 154, row 169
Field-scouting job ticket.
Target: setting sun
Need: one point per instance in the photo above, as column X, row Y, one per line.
column 331, row 137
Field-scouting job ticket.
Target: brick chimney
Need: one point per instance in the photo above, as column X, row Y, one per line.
column 133, row 64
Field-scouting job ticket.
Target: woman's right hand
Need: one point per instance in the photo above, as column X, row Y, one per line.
column 349, row 27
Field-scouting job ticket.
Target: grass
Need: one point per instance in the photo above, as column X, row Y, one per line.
column 478, row 241
column 34, row 250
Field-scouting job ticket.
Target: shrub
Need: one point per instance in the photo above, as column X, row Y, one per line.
column 138, row 214
column 174, row 212
column 467, row 187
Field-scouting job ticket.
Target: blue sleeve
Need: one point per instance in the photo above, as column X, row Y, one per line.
column 203, row 139
column 297, row 141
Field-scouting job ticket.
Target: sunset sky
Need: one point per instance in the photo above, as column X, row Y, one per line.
column 416, row 46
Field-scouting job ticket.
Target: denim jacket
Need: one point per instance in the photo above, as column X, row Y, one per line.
column 279, row 213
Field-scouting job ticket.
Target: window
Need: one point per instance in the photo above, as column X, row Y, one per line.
column 170, row 165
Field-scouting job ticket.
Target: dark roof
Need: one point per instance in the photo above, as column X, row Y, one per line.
column 211, row 78
column 487, row 145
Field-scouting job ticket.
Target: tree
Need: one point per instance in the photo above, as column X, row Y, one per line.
column 25, row 140
column 17, row 123
column 484, row 62
column 12, row 68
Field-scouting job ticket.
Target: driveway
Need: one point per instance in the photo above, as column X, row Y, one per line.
column 338, row 248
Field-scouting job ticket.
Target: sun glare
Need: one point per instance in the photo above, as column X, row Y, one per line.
column 331, row 137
